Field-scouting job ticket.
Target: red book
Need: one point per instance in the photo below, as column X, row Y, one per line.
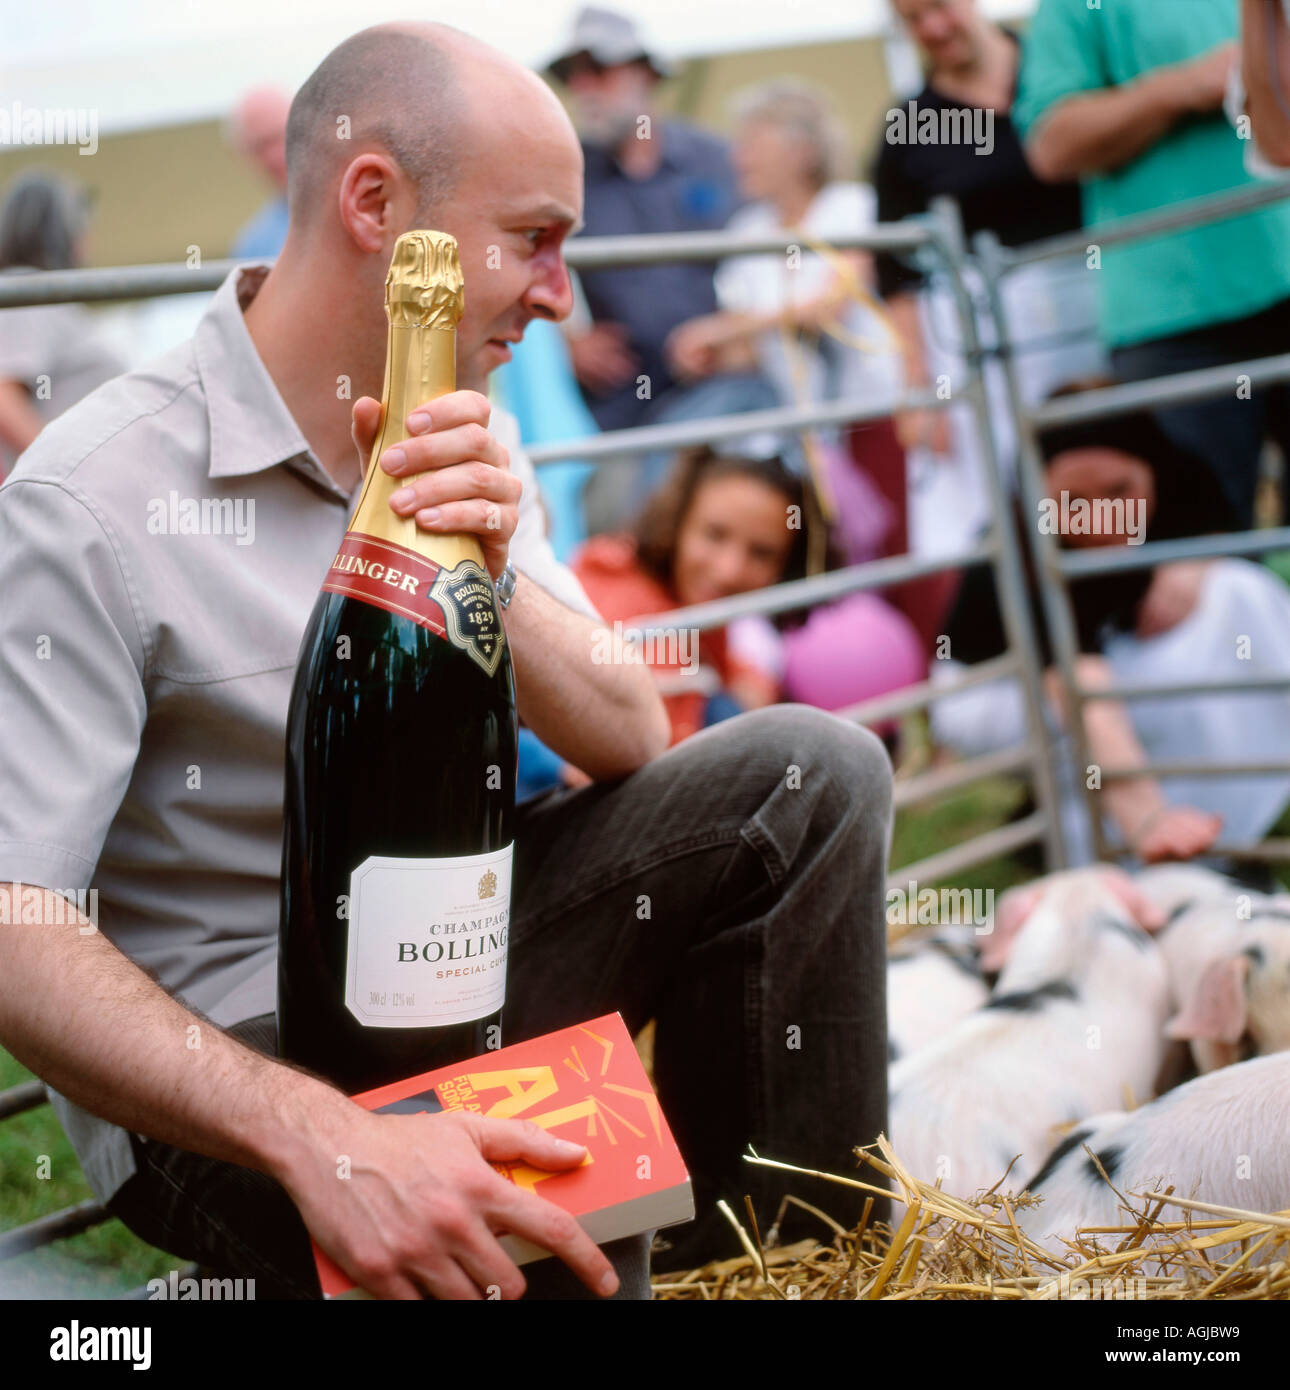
column 586, row 1083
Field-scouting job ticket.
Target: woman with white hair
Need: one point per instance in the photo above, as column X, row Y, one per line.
column 805, row 317
column 50, row 355
column 796, row 316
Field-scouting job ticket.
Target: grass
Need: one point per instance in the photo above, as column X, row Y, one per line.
column 99, row 1263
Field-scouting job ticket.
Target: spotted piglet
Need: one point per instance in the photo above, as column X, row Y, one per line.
column 1074, row 1025
column 1229, row 970
column 1220, row 1139
column 931, row 984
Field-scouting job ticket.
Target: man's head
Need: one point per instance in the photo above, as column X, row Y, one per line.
column 946, row 31
column 406, row 126
column 258, row 128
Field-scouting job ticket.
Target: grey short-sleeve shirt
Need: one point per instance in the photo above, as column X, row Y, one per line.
column 161, row 548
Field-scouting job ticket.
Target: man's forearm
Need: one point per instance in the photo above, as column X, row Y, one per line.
column 605, row 716
column 99, row 1030
column 1099, row 131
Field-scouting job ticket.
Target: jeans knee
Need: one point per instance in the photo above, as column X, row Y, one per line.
column 845, row 763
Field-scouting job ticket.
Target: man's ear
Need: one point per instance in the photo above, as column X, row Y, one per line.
column 370, row 201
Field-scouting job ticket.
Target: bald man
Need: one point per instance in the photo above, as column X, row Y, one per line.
column 730, row 888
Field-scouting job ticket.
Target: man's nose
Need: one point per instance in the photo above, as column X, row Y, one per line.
column 550, row 294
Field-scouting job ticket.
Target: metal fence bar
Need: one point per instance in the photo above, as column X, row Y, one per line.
column 71, row 1221
column 1199, row 385
column 914, row 697
column 1054, row 597
column 1273, row 851
column 801, row 593
column 1195, row 212
column 27, row 1095
column 1187, row 768
column 958, row 775
column 1010, row 584
column 100, row 283
column 681, row 434
column 1253, row 685
column 1108, row 559
column 978, row 850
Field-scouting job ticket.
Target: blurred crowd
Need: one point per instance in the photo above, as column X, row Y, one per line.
column 1094, row 113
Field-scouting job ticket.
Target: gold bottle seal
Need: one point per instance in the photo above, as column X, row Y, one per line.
column 424, row 287
column 424, row 298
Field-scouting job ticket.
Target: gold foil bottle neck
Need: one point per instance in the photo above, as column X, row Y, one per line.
column 424, row 287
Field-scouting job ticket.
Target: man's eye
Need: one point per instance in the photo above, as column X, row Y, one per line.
column 534, row 234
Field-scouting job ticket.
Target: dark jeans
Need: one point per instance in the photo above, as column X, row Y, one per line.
column 732, row 890
column 1226, row 431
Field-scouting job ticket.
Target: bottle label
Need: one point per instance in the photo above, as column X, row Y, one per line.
column 458, row 604
column 427, row 939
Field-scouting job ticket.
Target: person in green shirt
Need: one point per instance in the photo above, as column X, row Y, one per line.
column 1126, row 96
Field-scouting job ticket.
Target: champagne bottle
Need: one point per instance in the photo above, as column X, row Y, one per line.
column 400, row 760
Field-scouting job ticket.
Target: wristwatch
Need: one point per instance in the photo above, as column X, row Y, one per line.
column 505, row 586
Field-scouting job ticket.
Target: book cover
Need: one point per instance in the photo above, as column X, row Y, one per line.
column 587, row 1083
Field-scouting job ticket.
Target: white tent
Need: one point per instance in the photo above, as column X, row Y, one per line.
column 142, row 63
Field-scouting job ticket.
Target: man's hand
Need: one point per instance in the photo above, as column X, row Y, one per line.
column 421, row 1209
column 601, row 358
column 457, row 475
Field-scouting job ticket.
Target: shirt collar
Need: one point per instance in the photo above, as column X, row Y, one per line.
column 251, row 427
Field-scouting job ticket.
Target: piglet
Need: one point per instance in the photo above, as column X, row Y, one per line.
column 931, row 984
column 1229, row 971
column 1177, row 887
column 1074, row 1024
column 1221, row 1138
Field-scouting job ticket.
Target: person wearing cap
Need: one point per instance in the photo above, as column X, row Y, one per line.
column 51, row 355
column 644, row 174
